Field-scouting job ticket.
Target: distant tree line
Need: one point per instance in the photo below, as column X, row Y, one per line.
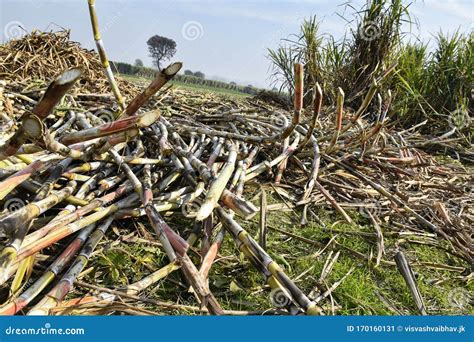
column 189, row 77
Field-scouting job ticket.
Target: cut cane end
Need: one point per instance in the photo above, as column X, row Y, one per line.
column 173, row 69
column 204, row 212
column 69, row 76
column 33, row 126
column 149, row 118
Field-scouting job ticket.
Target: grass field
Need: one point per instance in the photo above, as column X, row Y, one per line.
column 302, row 251
column 186, row 86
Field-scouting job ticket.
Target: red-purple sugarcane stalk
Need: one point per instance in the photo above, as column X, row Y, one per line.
column 48, row 276
column 61, row 289
column 176, row 249
column 29, row 128
column 138, row 121
column 159, row 81
column 7, row 185
column 19, row 222
column 298, row 100
column 32, row 238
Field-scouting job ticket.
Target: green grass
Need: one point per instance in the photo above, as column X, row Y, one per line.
column 368, row 290
column 187, row 86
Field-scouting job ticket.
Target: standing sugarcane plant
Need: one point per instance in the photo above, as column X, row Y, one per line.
column 103, row 56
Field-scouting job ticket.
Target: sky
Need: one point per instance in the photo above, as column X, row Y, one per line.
column 226, row 40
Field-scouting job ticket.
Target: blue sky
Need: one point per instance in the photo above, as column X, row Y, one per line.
column 225, row 39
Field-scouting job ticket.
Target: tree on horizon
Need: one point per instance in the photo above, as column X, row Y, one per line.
column 161, row 49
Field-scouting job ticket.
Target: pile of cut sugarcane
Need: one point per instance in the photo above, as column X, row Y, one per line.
column 74, row 163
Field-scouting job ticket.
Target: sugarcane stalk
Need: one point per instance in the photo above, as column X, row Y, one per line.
column 7, row 185
column 265, row 165
column 73, row 227
column 61, row 289
column 262, row 236
column 218, row 185
column 283, row 163
column 282, row 134
column 23, row 271
column 242, row 207
column 158, row 82
column 54, row 175
column 48, row 276
column 103, row 56
column 317, row 104
column 20, row 221
column 313, row 176
column 138, row 121
column 339, row 116
column 176, row 249
column 237, row 231
column 298, row 100
column 31, row 126
column 407, row 273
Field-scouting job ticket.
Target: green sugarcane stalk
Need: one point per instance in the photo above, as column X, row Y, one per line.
column 317, row 104
column 103, row 56
column 218, row 185
column 237, row 231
